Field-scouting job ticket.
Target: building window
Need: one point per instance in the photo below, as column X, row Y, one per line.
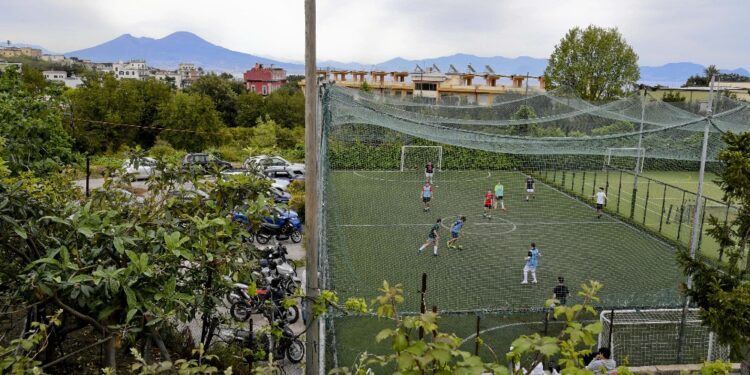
column 264, row 89
column 252, row 88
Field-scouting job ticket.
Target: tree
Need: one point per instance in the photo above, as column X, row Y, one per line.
column 250, row 107
column 221, row 91
column 673, row 97
column 618, row 127
column 196, row 116
column 596, row 62
column 722, row 291
column 31, row 122
column 286, row 107
column 524, row 112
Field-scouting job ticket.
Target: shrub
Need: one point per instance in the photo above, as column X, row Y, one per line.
column 297, row 203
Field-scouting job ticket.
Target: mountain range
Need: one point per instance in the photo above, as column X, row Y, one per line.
column 183, row 46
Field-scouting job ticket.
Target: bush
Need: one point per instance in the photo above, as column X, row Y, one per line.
column 297, row 203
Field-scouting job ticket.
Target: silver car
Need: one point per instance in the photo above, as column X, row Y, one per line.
column 275, row 167
column 146, row 168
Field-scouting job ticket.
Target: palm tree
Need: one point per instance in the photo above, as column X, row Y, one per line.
column 711, row 71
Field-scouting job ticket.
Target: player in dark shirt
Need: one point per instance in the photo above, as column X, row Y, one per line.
column 560, row 291
column 530, row 184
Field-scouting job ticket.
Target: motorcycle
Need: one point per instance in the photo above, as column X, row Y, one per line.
column 266, row 300
column 288, row 345
column 282, row 225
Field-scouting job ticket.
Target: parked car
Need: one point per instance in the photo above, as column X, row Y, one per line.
column 204, row 161
column 146, row 168
column 279, row 195
column 272, row 165
column 280, row 183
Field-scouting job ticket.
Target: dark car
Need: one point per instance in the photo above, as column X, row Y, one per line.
column 204, row 162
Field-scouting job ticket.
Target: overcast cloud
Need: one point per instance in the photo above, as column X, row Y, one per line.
column 371, row 31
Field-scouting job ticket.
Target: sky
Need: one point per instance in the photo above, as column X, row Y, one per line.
column 372, row 31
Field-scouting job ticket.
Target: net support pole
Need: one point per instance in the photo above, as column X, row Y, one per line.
column 638, row 156
column 697, row 218
column 312, row 188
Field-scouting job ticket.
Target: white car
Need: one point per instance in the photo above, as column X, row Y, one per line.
column 280, row 183
column 275, row 167
column 146, row 168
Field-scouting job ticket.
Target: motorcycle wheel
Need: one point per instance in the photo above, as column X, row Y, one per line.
column 232, row 297
column 296, row 236
column 292, row 314
column 240, row 311
column 262, row 238
column 295, row 351
column 290, row 286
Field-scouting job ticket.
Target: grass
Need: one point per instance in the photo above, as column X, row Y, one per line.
column 659, row 199
column 375, row 223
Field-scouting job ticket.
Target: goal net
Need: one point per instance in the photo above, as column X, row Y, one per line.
column 416, row 157
column 628, row 158
column 652, row 337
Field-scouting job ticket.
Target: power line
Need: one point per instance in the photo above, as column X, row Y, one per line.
column 144, row 126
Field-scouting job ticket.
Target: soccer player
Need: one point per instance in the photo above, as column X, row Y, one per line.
column 433, row 237
column 426, row 195
column 499, row 193
column 530, row 183
column 457, row 231
column 428, row 169
column 532, row 260
column 601, row 198
column 488, row 204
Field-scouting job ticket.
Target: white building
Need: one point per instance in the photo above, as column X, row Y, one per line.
column 175, row 78
column 62, row 76
column 133, row 69
column 54, row 58
column 5, row 65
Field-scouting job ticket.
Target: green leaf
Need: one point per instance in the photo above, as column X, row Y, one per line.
column 20, row 232
column 86, row 231
column 441, row 355
column 405, row 361
column 119, row 244
column 131, row 314
column 107, row 311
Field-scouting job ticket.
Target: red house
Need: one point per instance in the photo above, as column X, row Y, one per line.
column 264, row 80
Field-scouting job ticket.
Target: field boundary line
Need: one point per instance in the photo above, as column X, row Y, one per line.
column 508, row 222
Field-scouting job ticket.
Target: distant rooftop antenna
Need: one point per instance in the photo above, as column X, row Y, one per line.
column 471, row 69
column 452, row 69
column 489, row 69
column 435, row 68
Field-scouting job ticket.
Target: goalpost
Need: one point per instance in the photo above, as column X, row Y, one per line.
column 650, row 337
column 625, row 158
column 416, row 157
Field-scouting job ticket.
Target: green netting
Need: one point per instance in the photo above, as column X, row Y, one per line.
column 375, row 219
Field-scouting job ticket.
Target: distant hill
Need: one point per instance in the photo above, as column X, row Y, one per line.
column 176, row 48
column 183, row 46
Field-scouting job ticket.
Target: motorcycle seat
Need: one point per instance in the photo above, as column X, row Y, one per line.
column 270, row 226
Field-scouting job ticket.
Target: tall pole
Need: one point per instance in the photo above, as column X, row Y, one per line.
column 638, row 160
column 312, row 188
column 696, row 216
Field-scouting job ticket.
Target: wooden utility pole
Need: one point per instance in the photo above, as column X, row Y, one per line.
column 312, row 188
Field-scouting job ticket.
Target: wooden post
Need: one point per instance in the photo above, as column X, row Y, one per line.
column 422, row 306
column 88, row 175
column 476, row 338
column 312, row 202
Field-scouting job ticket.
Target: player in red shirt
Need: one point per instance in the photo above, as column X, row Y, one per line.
column 489, row 201
column 428, row 170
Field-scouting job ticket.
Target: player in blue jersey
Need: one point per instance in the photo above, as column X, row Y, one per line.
column 433, row 237
column 457, row 231
column 532, row 260
column 426, row 195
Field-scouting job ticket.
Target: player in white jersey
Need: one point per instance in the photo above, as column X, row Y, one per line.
column 601, row 199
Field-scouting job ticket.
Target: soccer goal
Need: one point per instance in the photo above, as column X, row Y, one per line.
column 625, row 158
column 416, row 157
column 651, row 337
